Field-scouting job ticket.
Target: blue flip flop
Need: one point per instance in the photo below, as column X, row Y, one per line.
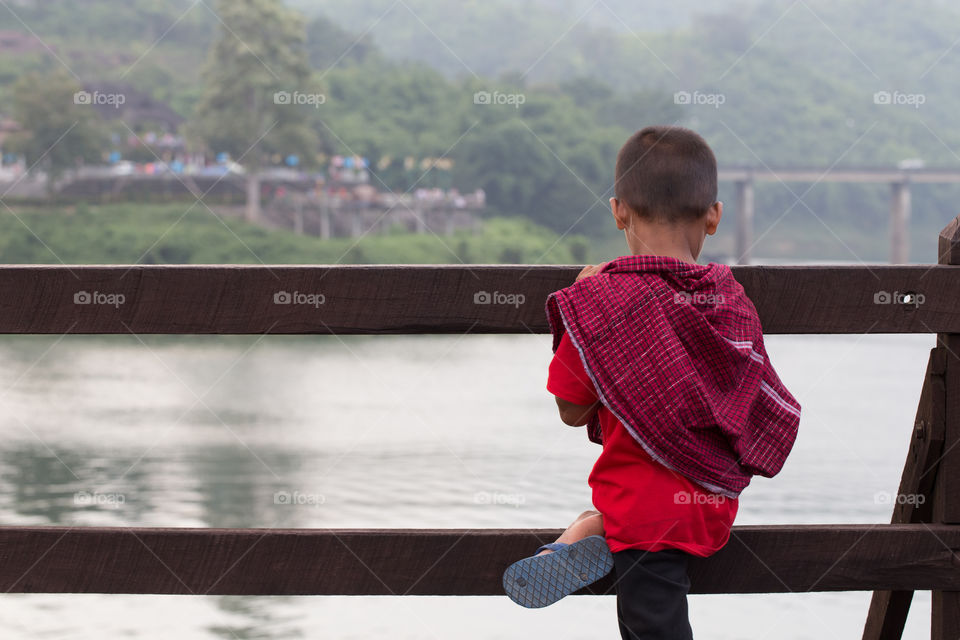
column 539, row 581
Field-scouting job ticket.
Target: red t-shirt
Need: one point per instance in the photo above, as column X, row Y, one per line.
column 644, row 504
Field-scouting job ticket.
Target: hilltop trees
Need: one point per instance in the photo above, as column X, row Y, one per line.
column 256, row 90
column 60, row 129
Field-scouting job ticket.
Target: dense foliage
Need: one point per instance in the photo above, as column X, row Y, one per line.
column 797, row 82
column 165, row 234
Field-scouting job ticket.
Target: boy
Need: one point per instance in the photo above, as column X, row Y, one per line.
column 663, row 360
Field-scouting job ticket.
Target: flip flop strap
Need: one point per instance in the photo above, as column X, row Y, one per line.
column 552, row 546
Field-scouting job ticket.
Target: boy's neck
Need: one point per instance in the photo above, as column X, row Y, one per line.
column 669, row 241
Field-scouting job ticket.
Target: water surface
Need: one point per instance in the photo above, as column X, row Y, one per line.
column 396, row 431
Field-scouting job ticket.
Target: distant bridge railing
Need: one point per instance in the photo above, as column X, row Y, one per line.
column 898, row 178
column 917, row 551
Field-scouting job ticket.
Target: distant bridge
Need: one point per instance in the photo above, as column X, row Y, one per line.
column 898, row 179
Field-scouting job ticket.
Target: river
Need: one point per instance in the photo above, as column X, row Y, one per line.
column 396, row 431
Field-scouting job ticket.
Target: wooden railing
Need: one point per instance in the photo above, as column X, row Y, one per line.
column 917, row 551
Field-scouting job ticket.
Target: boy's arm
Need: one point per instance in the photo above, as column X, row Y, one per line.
column 576, row 415
column 571, row 387
column 568, row 377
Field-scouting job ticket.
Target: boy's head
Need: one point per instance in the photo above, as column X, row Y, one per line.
column 667, row 174
column 666, row 178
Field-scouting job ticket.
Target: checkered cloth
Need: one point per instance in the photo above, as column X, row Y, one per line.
column 675, row 352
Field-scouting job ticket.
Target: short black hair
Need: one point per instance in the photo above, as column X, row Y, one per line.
column 666, row 173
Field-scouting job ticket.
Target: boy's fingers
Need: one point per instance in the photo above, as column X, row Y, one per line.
column 587, row 271
column 590, row 270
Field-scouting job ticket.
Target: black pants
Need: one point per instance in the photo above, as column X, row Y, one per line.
column 652, row 594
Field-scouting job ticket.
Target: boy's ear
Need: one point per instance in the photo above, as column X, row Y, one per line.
column 714, row 214
column 619, row 213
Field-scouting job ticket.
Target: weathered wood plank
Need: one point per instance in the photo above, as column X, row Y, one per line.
column 888, row 609
column 945, row 622
column 432, row 299
column 948, row 243
column 446, row 561
column 946, row 506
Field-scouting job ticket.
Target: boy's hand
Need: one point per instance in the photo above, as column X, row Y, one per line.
column 590, row 270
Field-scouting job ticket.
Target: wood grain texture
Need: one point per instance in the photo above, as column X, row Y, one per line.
column 432, row 299
column 946, row 506
column 447, row 561
column 945, row 620
column 945, row 607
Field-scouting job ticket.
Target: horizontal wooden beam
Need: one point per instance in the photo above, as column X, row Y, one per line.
column 768, row 559
column 432, row 299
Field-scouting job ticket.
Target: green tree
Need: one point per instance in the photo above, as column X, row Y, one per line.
column 256, row 90
column 60, row 129
column 548, row 161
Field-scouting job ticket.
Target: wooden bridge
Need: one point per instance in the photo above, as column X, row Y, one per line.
column 898, row 179
column 917, row 551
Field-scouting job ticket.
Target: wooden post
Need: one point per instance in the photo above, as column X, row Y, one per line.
column 932, row 469
column 945, row 614
column 899, row 222
column 325, row 220
column 419, row 214
column 298, row 215
column 745, row 210
column 355, row 228
column 253, row 197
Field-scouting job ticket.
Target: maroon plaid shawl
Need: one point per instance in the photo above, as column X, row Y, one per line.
column 675, row 351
